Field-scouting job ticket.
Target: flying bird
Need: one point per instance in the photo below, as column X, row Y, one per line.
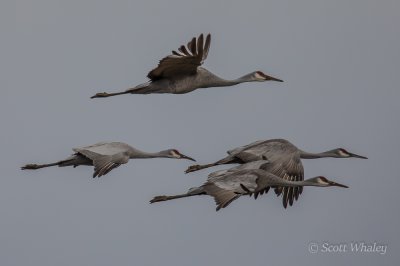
column 105, row 156
column 225, row 188
column 284, row 161
column 180, row 73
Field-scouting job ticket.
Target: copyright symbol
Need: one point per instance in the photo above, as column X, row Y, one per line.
column 313, row 247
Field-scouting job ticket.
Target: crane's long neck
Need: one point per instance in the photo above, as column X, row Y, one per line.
column 138, row 154
column 286, row 183
column 310, row 155
column 231, row 82
column 215, row 81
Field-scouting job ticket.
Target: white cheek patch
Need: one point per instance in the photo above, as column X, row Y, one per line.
column 175, row 154
column 341, row 153
column 322, row 182
column 258, row 76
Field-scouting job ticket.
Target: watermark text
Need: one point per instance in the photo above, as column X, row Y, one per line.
column 361, row 247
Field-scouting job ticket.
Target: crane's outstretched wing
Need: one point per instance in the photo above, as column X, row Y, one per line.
column 226, row 188
column 247, row 166
column 221, row 196
column 183, row 62
column 105, row 156
column 290, row 169
column 239, row 149
column 260, row 164
column 284, row 161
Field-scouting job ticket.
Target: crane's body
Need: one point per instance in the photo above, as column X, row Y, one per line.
column 229, row 186
column 184, row 84
column 181, row 73
column 105, row 156
column 284, row 161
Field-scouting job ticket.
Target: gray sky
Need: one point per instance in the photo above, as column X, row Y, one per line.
column 340, row 61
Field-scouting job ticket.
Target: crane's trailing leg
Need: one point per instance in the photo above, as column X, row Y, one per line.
column 73, row 160
column 33, row 166
column 139, row 89
column 105, row 94
column 198, row 167
column 192, row 192
column 164, row 198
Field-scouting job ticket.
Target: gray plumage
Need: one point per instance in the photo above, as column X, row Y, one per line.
column 180, row 73
column 261, row 164
column 284, row 161
column 227, row 187
column 105, row 156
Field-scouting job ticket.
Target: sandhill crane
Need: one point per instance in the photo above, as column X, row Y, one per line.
column 227, row 187
column 284, row 159
column 181, row 73
column 105, row 156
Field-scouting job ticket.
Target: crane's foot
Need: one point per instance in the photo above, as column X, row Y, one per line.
column 193, row 168
column 159, row 198
column 100, row 95
column 30, row 167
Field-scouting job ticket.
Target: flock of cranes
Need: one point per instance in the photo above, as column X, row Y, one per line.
column 278, row 157
column 264, row 164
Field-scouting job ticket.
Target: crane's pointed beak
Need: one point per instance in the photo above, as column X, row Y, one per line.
column 272, row 78
column 187, row 157
column 337, row 184
column 357, row 156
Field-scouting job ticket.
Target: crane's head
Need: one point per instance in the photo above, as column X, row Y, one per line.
column 321, row 181
column 260, row 76
column 173, row 153
column 342, row 153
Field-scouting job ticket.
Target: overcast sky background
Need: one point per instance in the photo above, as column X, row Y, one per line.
column 340, row 61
